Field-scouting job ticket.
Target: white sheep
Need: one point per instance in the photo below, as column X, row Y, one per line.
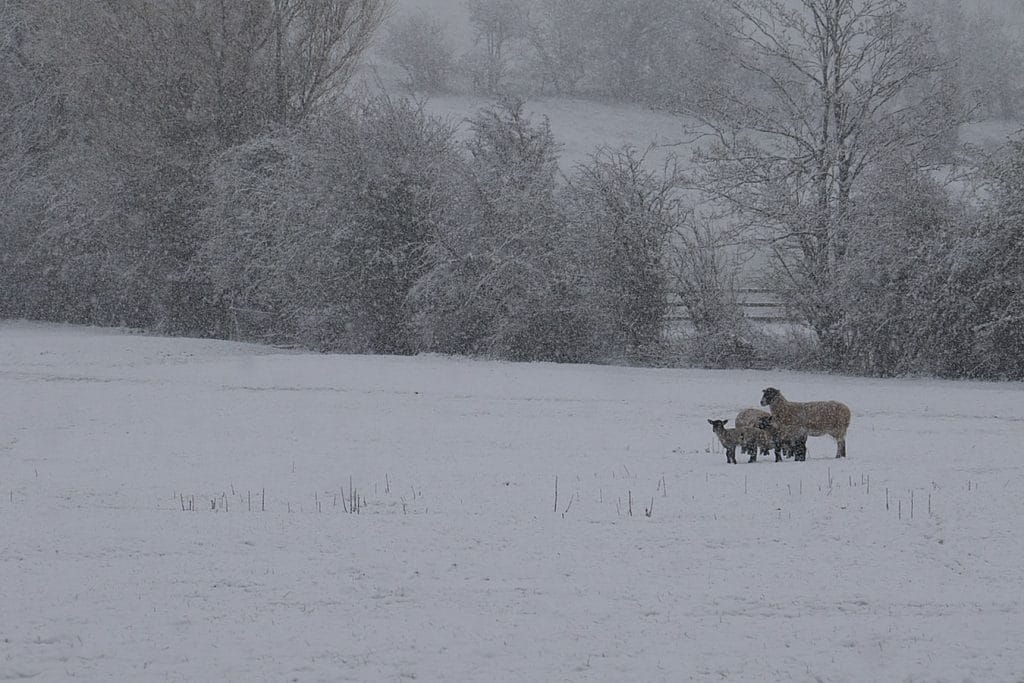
column 817, row 417
column 758, row 442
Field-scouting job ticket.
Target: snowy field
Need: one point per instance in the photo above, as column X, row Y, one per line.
column 457, row 566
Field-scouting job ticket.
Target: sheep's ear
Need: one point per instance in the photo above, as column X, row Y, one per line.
column 711, row 422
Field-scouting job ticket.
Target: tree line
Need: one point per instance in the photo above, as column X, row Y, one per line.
column 200, row 168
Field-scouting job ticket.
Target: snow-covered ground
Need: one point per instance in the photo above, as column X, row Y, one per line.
column 582, row 127
column 458, row 567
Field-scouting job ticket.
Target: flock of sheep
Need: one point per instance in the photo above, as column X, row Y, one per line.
column 785, row 429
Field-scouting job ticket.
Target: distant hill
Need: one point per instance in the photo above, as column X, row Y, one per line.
column 582, row 126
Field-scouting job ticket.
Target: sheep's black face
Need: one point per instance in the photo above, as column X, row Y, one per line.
column 717, row 425
column 769, row 395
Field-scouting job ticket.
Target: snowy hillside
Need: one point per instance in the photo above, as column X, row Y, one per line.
column 582, row 126
column 175, row 510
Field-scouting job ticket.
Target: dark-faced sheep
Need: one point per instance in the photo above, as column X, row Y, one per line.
column 787, row 440
column 730, row 439
column 817, row 417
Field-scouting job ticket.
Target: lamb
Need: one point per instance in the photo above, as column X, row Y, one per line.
column 788, row 440
column 731, row 438
column 817, row 417
column 758, row 442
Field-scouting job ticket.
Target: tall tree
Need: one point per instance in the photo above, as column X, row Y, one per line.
column 492, row 288
column 560, row 34
column 318, row 234
column 32, row 127
column 988, row 274
column 497, row 25
column 894, row 273
column 419, row 45
column 153, row 90
column 839, row 86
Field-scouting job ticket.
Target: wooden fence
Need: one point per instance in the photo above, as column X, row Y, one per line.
column 758, row 304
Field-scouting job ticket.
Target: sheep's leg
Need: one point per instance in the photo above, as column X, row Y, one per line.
column 730, row 455
column 800, row 451
column 840, row 448
column 753, row 456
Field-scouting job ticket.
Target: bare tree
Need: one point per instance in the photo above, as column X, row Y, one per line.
column 704, row 276
column 318, row 44
column 496, row 24
column 146, row 93
column 833, row 83
column 560, row 33
column 419, row 45
column 285, row 57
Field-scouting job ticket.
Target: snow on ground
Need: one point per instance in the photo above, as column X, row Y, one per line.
column 458, row 567
column 582, row 127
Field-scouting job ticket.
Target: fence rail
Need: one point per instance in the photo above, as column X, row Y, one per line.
column 758, row 304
